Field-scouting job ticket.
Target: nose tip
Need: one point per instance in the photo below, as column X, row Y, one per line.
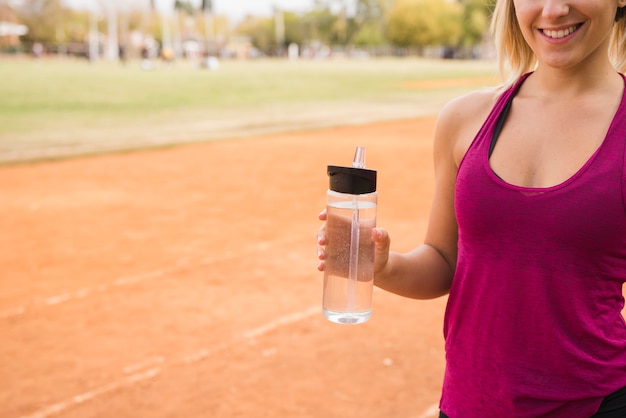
column 555, row 8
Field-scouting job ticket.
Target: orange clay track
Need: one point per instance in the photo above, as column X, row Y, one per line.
column 182, row 282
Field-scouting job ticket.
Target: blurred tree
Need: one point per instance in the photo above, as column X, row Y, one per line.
column 209, row 26
column 184, row 6
column 456, row 23
column 76, row 28
column 135, row 19
column 207, row 5
column 421, row 23
column 43, row 19
column 294, row 33
column 342, row 22
column 262, row 32
column 475, row 21
column 152, row 25
column 341, row 27
column 319, row 25
column 370, row 34
column 369, row 23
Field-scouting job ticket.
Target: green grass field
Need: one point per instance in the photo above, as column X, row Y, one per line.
column 64, row 105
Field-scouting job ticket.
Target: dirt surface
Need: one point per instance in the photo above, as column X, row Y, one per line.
column 181, row 282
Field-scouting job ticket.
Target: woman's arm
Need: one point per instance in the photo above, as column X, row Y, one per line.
column 426, row 272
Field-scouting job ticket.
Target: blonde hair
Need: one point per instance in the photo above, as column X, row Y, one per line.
column 515, row 57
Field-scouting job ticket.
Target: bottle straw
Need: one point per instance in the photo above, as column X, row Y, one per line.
column 355, row 230
column 359, row 158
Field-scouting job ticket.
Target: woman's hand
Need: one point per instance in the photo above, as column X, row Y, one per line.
column 379, row 236
column 321, row 242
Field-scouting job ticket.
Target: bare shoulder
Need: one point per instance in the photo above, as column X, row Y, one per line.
column 460, row 120
column 470, row 106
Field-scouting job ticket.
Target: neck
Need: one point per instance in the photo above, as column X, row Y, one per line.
column 593, row 72
column 571, row 82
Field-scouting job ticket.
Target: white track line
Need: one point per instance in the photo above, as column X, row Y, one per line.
column 144, row 364
column 136, row 279
column 87, row 396
column 134, row 376
column 281, row 321
column 431, row 412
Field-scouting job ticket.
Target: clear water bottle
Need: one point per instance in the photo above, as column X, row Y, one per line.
column 349, row 272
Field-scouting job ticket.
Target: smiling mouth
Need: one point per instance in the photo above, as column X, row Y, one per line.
column 558, row 34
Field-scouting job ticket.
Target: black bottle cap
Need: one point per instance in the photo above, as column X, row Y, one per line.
column 351, row 180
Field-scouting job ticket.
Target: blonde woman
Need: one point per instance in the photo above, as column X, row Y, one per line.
column 527, row 231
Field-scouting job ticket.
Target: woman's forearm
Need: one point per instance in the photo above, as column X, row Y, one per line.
column 423, row 273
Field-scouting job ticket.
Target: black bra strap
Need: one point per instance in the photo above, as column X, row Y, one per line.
column 500, row 124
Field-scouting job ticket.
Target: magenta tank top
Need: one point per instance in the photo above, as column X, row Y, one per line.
column 533, row 325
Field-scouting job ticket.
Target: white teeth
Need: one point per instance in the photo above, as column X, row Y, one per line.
column 558, row 34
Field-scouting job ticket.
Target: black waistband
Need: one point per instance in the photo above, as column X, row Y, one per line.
column 613, row 406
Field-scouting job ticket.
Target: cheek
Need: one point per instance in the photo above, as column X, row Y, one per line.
column 524, row 21
column 524, row 15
